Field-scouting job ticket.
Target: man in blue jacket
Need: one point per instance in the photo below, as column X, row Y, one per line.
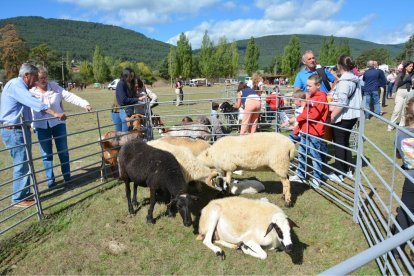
column 16, row 116
column 372, row 81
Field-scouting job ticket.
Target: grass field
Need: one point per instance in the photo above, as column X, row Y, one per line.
column 93, row 233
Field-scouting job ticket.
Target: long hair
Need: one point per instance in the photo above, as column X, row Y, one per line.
column 409, row 112
column 346, row 63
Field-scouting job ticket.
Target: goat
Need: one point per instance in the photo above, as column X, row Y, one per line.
column 112, row 141
column 253, row 152
column 245, row 224
column 232, row 115
column 159, row 170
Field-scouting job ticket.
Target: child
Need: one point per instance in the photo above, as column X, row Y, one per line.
column 274, row 101
column 299, row 99
column 312, row 132
column 214, row 110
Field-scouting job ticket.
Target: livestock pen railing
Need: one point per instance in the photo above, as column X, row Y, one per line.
column 370, row 195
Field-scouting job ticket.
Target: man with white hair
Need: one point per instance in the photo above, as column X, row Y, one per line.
column 15, row 117
column 373, row 80
column 310, row 69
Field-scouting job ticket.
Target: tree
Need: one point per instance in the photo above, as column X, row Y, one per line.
column 408, row 51
column 381, row 55
column 195, row 70
column 40, row 55
column 252, row 57
column 275, row 66
column 13, row 50
column 144, row 72
column 343, row 48
column 329, row 53
column 291, row 56
column 86, row 72
column 206, row 54
column 163, row 68
column 234, row 59
column 222, row 59
column 183, row 56
column 114, row 66
column 100, row 69
column 172, row 63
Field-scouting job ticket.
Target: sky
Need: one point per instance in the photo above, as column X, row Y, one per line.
column 380, row 21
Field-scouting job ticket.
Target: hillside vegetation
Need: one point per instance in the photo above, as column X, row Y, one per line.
column 80, row 38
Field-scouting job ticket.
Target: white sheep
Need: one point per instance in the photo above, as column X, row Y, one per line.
column 253, row 152
column 245, row 224
column 195, row 145
column 191, row 167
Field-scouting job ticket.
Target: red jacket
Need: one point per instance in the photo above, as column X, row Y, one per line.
column 274, row 102
column 313, row 111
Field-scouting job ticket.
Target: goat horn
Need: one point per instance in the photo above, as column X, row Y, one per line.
column 269, row 228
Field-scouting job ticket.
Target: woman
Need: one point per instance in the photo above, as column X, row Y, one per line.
column 143, row 95
column 125, row 96
column 391, row 80
column 248, row 99
column 52, row 94
column 402, row 88
column 347, row 94
column 405, row 148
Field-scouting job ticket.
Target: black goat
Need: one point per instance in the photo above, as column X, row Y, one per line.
column 231, row 114
column 159, row 170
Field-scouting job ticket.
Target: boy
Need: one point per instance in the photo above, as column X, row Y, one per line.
column 315, row 111
column 299, row 99
column 214, row 110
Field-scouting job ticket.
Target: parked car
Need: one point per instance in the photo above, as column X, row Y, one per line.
column 112, row 85
column 199, row 82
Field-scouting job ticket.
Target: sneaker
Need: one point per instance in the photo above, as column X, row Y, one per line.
column 25, row 203
column 333, row 177
column 296, row 178
column 315, row 183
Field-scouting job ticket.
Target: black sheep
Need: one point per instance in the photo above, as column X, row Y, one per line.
column 159, row 170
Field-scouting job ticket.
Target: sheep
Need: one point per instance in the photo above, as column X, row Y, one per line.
column 191, row 167
column 245, row 224
column 159, row 170
column 195, row 145
column 257, row 151
column 112, row 141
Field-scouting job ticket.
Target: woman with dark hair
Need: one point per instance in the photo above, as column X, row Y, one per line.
column 248, row 99
column 125, row 96
column 347, row 94
column 402, row 88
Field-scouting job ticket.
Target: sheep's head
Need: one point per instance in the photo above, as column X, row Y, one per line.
column 134, row 121
column 282, row 225
column 182, row 203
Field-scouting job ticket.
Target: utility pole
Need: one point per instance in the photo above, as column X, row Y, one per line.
column 63, row 74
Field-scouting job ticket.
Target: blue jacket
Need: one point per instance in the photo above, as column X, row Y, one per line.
column 372, row 80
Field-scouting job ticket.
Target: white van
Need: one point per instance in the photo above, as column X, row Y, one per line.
column 112, row 85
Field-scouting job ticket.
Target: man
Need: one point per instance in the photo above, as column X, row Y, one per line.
column 16, row 105
column 373, row 80
column 310, row 69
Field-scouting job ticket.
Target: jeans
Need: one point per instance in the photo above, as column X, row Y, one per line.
column 341, row 137
column 122, row 116
column 375, row 97
column 116, row 120
column 389, row 89
column 59, row 135
column 14, row 141
column 310, row 145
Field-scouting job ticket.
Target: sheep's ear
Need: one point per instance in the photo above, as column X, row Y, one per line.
column 292, row 223
column 172, row 202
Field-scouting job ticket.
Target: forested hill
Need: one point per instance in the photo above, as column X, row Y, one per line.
column 80, row 38
column 269, row 46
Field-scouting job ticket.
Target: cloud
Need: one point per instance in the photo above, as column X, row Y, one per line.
column 396, row 37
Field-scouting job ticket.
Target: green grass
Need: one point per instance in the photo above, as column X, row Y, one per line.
column 94, row 234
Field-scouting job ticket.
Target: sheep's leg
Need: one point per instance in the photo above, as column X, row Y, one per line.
column 212, row 222
column 227, row 244
column 286, row 192
column 134, row 196
column 103, row 177
column 128, row 196
column 253, row 249
column 150, row 218
column 171, row 209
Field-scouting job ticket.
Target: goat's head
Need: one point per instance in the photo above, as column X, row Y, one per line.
column 226, row 107
column 283, row 226
column 156, row 122
column 134, row 121
column 182, row 203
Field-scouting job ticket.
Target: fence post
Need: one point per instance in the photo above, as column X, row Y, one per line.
column 28, row 147
column 360, row 152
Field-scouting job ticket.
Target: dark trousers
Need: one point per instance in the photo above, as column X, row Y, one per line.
column 384, row 95
column 181, row 95
column 407, row 198
column 341, row 137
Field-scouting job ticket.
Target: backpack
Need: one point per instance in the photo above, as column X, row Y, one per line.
column 322, row 74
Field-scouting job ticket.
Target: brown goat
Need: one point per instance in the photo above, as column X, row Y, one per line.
column 112, row 141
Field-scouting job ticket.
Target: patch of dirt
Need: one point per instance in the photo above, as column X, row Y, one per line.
column 161, row 83
column 115, row 247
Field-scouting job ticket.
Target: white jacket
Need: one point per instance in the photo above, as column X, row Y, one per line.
column 53, row 98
